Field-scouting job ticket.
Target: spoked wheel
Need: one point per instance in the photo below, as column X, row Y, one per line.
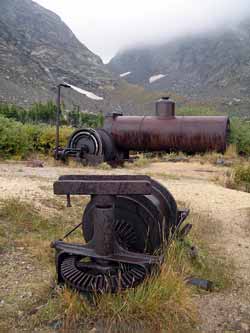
column 88, row 275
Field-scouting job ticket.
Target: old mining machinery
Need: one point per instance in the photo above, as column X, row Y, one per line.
column 127, row 225
column 164, row 132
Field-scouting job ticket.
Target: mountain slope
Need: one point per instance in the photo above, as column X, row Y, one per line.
column 211, row 66
column 38, row 51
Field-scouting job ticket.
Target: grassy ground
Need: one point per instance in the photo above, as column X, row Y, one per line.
column 30, row 299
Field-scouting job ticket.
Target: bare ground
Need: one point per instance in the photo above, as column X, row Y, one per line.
column 196, row 185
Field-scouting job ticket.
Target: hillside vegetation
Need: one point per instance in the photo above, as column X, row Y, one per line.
column 27, row 131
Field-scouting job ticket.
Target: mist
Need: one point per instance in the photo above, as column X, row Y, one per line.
column 108, row 26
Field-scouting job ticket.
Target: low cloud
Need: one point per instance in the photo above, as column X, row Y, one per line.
column 111, row 25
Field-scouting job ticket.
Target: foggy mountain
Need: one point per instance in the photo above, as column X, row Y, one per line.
column 38, row 51
column 210, row 66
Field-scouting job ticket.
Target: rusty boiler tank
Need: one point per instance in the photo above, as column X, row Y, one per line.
column 167, row 132
column 163, row 132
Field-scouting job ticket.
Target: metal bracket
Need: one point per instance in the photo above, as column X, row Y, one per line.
column 104, row 245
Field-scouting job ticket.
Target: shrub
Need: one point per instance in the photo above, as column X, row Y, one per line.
column 14, row 140
column 18, row 140
column 242, row 174
column 46, row 114
column 240, row 135
column 47, row 138
column 34, row 133
column 239, row 178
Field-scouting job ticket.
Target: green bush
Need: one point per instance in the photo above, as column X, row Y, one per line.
column 46, row 114
column 239, row 178
column 242, row 174
column 23, row 132
column 14, row 140
column 240, row 135
column 34, row 133
column 19, row 141
column 47, row 138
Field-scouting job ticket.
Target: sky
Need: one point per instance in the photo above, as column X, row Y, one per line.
column 108, row 26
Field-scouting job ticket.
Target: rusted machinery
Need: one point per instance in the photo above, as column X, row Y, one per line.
column 163, row 132
column 127, row 225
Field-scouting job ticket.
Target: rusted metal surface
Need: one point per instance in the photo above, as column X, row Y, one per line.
column 123, row 226
column 102, row 187
column 167, row 132
column 187, row 134
column 164, row 107
column 163, row 132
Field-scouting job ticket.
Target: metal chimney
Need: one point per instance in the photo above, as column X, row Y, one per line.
column 165, row 108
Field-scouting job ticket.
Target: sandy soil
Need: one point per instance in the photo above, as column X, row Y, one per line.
column 194, row 184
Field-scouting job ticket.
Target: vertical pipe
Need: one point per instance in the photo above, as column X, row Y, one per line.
column 58, row 119
column 103, row 220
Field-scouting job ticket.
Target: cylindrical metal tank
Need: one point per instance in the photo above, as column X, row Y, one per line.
column 165, row 107
column 163, row 132
column 187, row 134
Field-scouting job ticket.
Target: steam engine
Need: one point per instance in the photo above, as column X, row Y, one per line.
column 164, row 132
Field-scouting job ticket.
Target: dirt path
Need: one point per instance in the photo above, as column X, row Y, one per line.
column 228, row 312
column 193, row 184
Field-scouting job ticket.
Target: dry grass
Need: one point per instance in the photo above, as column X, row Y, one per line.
column 238, row 178
column 140, row 161
column 231, row 152
column 209, row 264
column 229, row 158
column 163, row 175
column 163, row 302
column 21, row 221
column 104, row 166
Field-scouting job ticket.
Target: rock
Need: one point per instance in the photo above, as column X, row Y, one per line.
column 228, row 163
column 20, row 313
column 178, row 159
column 194, row 252
column 220, row 161
column 35, row 164
column 38, row 49
column 245, row 327
column 56, row 324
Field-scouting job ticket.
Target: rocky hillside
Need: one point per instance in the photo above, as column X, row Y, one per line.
column 38, row 51
column 212, row 67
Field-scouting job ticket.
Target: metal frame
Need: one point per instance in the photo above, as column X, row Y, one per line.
column 103, row 244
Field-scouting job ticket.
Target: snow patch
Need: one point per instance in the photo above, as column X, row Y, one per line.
column 156, row 77
column 125, row 74
column 88, row 94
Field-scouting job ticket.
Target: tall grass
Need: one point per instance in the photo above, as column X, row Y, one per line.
column 239, row 178
column 161, row 303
